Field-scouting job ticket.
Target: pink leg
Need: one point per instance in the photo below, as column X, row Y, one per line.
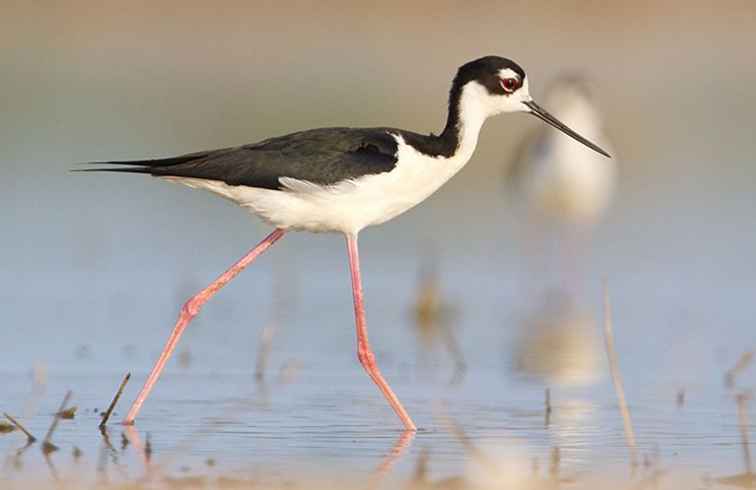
column 190, row 309
column 364, row 353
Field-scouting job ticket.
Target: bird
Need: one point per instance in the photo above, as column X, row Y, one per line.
column 342, row 180
column 561, row 191
column 564, row 183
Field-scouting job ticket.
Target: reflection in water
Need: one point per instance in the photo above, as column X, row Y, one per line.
column 264, row 346
column 290, row 371
column 747, row 479
column 16, row 461
column 471, row 449
column 510, row 467
column 420, row 478
column 557, row 344
column 54, row 476
column 421, row 481
column 185, row 358
column 742, row 401
column 107, row 453
column 135, row 442
column 681, row 242
column 505, row 465
column 282, row 302
column 680, row 398
column 569, row 423
column 396, row 452
column 547, row 409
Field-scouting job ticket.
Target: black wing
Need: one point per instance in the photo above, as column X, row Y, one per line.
column 323, row 156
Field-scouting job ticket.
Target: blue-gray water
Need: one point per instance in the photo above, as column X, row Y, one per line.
column 93, row 269
column 88, row 310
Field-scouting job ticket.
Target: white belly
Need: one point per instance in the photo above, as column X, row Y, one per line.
column 349, row 206
column 571, row 184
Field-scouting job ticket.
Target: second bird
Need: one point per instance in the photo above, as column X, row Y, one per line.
column 560, row 182
column 561, row 190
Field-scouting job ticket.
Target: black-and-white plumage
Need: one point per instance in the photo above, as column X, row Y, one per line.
column 323, row 156
column 342, row 180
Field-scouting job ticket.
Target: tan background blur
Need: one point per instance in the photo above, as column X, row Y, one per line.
column 85, row 81
column 141, row 78
column 104, row 261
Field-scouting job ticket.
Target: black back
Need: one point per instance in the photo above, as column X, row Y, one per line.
column 324, row 156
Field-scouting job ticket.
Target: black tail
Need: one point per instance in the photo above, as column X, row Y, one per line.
column 129, row 170
column 142, row 166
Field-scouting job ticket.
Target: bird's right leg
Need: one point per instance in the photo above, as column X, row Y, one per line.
column 190, row 309
column 364, row 352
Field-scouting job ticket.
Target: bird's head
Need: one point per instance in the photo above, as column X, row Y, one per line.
column 494, row 85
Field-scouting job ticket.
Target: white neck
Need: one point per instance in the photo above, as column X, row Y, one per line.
column 473, row 112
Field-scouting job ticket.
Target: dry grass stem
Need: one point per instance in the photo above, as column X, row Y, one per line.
column 47, row 445
column 742, row 401
column 617, row 381
column 109, row 411
column 20, row 427
column 741, row 365
column 6, row 428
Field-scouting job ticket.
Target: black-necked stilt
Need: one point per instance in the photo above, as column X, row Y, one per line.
column 343, row 180
column 561, row 182
column 563, row 190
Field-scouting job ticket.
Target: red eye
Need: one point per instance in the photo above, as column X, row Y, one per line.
column 509, row 84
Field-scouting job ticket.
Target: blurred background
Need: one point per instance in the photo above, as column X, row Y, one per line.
column 93, row 268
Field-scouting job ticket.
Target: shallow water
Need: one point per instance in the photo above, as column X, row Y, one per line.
column 675, row 331
column 93, row 268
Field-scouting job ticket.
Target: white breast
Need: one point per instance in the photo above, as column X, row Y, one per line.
column 352, row 205
column 566, row 181
column 349, row 206
column 571, row 183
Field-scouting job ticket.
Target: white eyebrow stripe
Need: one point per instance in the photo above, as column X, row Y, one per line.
column 508, row 73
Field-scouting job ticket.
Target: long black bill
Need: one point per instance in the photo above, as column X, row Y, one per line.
column 544, row 116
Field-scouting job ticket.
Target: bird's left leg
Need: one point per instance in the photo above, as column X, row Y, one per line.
column 364, row 353
column 190, row 309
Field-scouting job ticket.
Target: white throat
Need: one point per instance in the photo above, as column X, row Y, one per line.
column 474, row 108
